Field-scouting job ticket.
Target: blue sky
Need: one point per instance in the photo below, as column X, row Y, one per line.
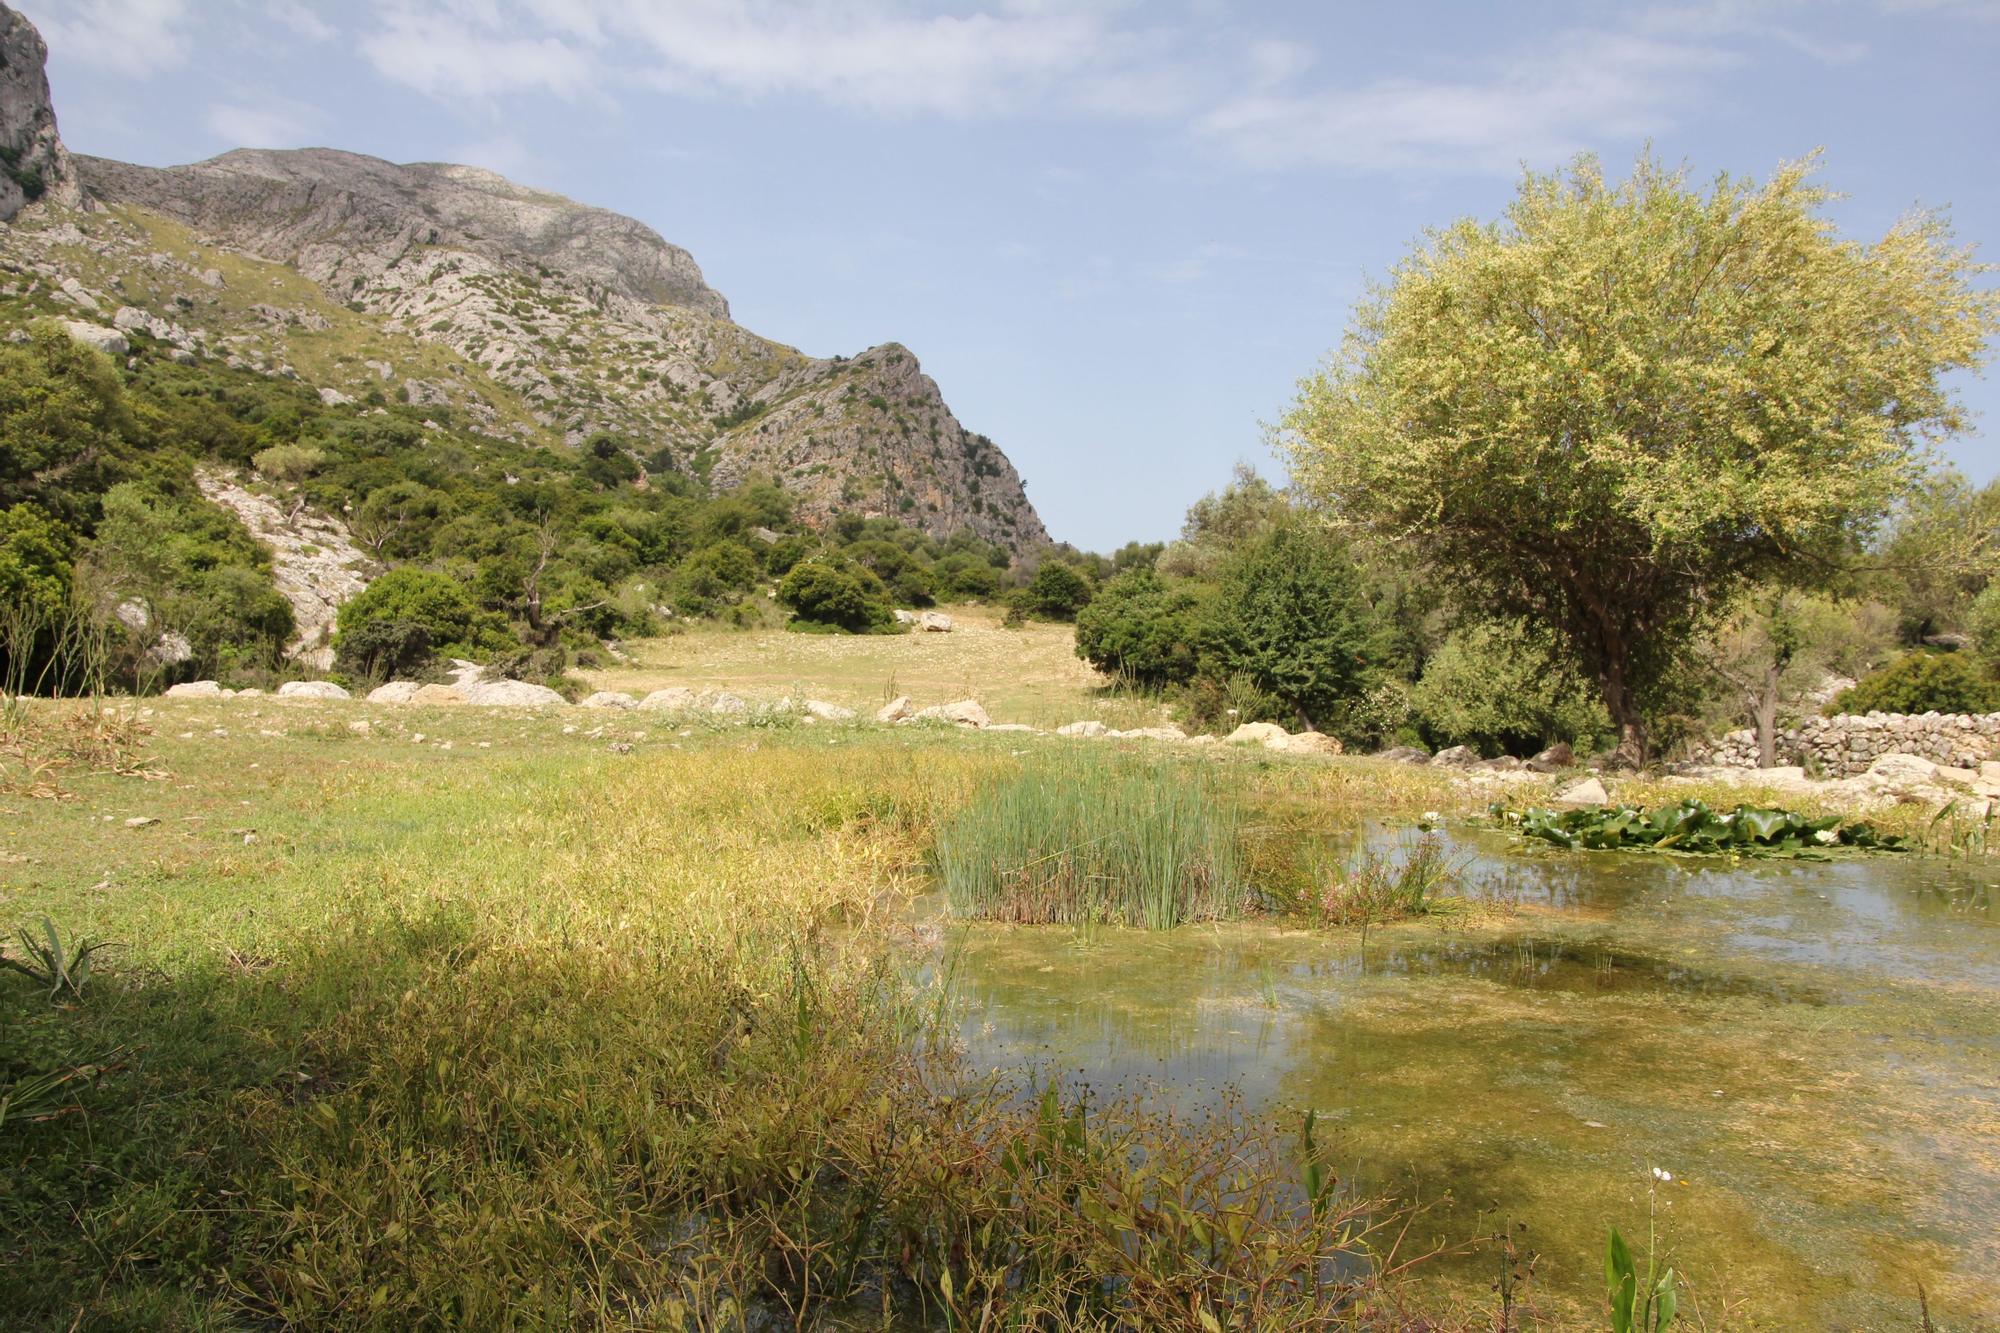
column 1116, row 233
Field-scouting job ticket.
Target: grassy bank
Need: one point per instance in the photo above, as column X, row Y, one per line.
column 489, row 1025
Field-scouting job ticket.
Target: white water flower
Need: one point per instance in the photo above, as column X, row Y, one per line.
column 1664, row 1177
column 1826, row 836
column 1431, row 817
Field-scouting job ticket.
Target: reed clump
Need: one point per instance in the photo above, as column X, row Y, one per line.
column 1094, row 838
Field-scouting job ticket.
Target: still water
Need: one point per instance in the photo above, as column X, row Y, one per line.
column 1810, row 1049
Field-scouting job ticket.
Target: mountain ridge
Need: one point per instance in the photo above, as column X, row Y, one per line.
column 587, row 321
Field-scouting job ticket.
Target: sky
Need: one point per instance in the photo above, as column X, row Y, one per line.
column 1116, row 233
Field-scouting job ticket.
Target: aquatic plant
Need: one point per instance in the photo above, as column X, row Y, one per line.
column 1375, row 888
column 1084, row 837
column 1692, row 827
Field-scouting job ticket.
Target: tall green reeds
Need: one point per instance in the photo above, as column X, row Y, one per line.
column 1086, row 837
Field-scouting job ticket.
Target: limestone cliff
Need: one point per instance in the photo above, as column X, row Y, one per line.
column 33, row 164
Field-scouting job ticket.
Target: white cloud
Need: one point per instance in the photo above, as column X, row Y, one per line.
column 870, row 55
column 457, row 50
column 1551, row 102
column 135, row 38
column 300, row 19
column 267, row 124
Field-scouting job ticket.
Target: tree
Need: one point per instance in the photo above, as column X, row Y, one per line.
column 1781, row 643
column 1923, row 682
column 64, row 426
column 427, row 613
column 1144, row 629
column 833, row 592
column 1292, row 617
column 1614, row 410
column 1057, row 592
column 1984, row 622
column 1500, row 688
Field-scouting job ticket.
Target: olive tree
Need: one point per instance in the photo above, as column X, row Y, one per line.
column 1613, row 410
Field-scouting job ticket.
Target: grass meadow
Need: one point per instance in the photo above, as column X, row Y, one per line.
column 483, row 1019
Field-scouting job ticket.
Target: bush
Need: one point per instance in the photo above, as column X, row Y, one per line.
column 1922, row 682
column 409, row 600
column 1144, row 630
column 1502, row 690
column 384, row 650
column 829, row 592
column 1292, row 616
column 1057, row 592
column 1984, row 622
column 288, row 464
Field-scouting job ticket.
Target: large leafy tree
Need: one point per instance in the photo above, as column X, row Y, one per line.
column 1613, row 410
column 1292, row 615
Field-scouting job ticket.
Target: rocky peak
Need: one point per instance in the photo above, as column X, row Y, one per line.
column 345, row 218
column 32, row 161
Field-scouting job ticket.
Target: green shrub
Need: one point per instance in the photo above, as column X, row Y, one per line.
column 1057, row 592
column 1291, row 614
column 1502, row 690
column 1087, row 837
column 1922, row 682
column 1145, row 630
column 408, row 599
column 289, row 463
column 1984, row 622
column 831, row 592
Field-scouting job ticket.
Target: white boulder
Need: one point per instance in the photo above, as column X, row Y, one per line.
column 312, row 689
column 1083, row 729
column 827, row 712
column 1586, row 794
column 896, row 709
column 195, row 689
column 509, row 694
column 964, row 713
column 673, row 699
column 611, row 699
column 395, row 692
column 1267, row 734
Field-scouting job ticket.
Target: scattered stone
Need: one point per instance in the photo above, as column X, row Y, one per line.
column 437, row 695
column 1267, row 734
column 934, row 622
column 361, row 726
column 1505, row 763
column 1554, row 759
column 312, row 689
column 1585, row 794
column 141, row 821
column 1083, row 729
column 724, row 703
column 1309, row 742
column 1149, row 734
column 510, row 694
column 1458, row 756
column 611, row 699
column 108, row 341
column 673, row 699
column 195, row 689
column 964, row 713
column 395, row 692
column 1405, row 754
column 896, row 710
column 1009, row 726
column 827, row 712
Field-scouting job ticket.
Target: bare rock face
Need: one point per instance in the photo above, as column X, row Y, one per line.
column 313, row 561
column 33, row 163
column 339, row 216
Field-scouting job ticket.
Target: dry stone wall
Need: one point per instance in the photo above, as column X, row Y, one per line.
column 1841, row 746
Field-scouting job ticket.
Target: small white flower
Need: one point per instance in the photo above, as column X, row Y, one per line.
column 1664, row 1177
column 1430, row 817
column 1826, row 835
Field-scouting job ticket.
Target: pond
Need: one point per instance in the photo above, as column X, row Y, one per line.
column 1810, row 1049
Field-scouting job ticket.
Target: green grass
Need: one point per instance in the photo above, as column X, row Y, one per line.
column 530, row 1032
column 1084, row 836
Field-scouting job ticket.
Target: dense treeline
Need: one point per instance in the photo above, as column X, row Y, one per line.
column 1261, row 612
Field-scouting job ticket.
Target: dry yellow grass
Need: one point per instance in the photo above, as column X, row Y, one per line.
column 1029, row 675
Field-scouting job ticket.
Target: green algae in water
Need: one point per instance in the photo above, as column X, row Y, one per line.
column 1811, row 1050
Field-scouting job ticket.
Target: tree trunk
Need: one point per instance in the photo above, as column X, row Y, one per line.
column 1765, row 709
column 1623, row 705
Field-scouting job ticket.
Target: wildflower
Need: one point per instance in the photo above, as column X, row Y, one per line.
column 1826, row 836
column 1664, row 1177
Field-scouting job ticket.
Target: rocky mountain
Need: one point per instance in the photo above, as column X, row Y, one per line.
column 524, row 313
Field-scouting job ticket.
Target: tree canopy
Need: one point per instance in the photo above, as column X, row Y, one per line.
column 1614, row 409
